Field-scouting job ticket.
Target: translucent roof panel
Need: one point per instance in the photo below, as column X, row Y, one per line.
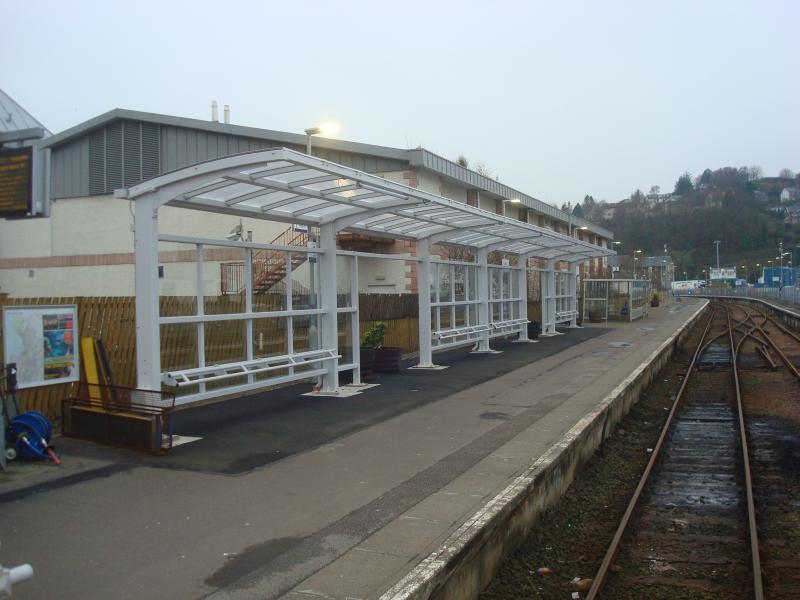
column 285, row 185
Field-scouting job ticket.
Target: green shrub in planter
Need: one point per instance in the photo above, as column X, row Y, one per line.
column 387, row 359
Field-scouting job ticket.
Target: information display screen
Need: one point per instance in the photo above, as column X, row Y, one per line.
column 16, row 181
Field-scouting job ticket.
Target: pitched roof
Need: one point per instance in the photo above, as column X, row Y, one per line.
column 15, row 118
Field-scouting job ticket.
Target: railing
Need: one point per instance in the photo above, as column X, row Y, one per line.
column 265, row 263
column 232, row 279
column 789, row 295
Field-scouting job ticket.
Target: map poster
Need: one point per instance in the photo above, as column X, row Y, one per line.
column 42, row 341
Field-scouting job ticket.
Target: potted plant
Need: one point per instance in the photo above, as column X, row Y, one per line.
column 387, row 359
column 654, row 301
column 372, row 340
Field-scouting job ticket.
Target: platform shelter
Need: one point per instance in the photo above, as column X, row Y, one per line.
column 460, row 302
column 614, row 299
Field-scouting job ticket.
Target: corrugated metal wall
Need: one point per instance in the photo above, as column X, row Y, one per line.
column 126, row 152
column 69, row 169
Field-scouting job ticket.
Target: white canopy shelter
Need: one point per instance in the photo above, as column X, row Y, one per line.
column 284, row 185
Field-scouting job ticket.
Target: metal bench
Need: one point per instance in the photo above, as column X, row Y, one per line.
column 509, row 323
column 220, row 372
column 566, row 315
column 459, row 331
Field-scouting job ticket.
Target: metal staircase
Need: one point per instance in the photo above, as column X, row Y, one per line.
column 269, row 266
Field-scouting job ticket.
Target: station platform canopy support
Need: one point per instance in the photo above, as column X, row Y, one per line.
column 287, row 186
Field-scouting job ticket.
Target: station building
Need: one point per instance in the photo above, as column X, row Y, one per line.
column 78, row 240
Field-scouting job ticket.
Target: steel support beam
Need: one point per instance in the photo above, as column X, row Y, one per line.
column 573, row 293
column 483, row 297
column 522, row 278
column 327, row 284
column 148, row 336
column 424, row 294
column 549, row 300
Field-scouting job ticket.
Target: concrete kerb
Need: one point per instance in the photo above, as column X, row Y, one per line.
column 465, row 563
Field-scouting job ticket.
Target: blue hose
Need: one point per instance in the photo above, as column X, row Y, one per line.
column 32, row 432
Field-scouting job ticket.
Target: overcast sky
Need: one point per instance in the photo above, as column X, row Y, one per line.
column 557, row 99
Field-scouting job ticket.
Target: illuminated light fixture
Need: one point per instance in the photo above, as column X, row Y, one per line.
column 323, row 129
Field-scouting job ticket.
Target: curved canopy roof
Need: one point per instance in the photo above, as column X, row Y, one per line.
column 285, row 185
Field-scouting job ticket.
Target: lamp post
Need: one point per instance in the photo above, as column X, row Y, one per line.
column 635, row 258
column 510, row 201
column 325, row 129
column 612, row 268
column 717, row 242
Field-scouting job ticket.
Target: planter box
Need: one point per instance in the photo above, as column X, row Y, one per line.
column 387, row 359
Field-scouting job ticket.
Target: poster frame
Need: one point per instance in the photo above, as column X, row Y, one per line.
column 75, row 377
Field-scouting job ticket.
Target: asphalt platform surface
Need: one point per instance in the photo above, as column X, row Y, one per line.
column 246, row 433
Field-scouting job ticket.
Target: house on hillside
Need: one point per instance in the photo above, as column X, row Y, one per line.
column 790, row 195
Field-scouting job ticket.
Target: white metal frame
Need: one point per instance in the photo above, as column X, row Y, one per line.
column 287, row 186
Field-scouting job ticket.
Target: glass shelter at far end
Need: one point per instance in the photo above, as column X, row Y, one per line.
column 614, row 299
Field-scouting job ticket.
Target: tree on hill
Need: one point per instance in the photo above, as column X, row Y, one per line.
column 786, row 174
column 578, row 211
column 684, row 184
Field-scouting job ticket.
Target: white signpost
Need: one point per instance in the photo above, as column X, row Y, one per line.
column 41, row 340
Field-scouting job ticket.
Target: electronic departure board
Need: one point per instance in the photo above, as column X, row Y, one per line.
column 16, row 181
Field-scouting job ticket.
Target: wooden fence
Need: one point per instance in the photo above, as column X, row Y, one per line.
column 112, row 319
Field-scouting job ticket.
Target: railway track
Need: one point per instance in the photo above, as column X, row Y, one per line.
column 715, row 514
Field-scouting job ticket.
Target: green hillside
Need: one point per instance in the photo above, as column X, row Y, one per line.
column 729, row 204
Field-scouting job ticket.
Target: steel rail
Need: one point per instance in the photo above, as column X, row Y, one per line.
column 758, row 584
column 611, row 553
column 789, row 364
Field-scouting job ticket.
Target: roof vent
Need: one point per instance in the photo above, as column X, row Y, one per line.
column 214, row 112
column 227, row 113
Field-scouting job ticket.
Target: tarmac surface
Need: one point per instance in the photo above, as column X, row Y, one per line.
column 291, row 496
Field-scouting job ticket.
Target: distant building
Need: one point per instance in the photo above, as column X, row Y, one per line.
column 778, row 276
column 790, row 194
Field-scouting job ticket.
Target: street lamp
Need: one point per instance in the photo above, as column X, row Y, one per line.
column 635, row 258
column 510, row 201
column 717, row 242
column 324, row 129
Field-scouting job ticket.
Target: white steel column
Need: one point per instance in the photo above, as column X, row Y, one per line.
column 572, row 285
column 148, row 336
column 248, row 305
column 355, row 331
column 200, row 309
column 549, row 300
column 327, row 284
column 424, row 294
column 483, row 297
column 522, row 278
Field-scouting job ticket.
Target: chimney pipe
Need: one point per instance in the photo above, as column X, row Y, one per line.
column 227, row 113
column 214, row 112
